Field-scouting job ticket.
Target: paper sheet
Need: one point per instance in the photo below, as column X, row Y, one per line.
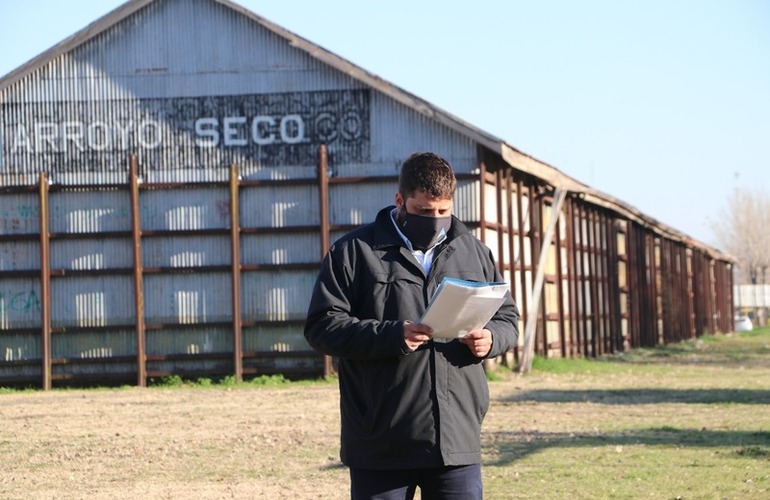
column 460, row 306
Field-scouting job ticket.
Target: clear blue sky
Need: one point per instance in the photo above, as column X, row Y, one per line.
column 664, row 104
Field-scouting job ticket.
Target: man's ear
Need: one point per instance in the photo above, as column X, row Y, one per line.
column 399, row 199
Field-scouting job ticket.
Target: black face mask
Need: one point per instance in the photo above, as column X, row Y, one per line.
column 423, row 231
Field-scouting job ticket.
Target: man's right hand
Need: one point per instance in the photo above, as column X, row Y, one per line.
column 416, row 334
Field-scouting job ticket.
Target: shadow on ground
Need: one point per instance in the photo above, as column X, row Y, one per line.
column 508, row 446
column 643, row 396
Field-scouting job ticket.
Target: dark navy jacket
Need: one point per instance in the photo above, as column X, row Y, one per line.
column 402, row 409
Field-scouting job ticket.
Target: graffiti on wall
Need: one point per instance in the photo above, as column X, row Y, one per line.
column 20, row 301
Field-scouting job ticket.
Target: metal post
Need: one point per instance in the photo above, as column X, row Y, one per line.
column 323, row 200
column 235, row 259
column 136, row 236
column 45, row 283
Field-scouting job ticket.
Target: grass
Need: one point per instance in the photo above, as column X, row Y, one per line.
column 688, row 420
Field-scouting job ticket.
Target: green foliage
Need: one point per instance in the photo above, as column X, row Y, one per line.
column 169, row 381
column 494, row 375
column 229, row 381
column 576, row 365
column 269, row 380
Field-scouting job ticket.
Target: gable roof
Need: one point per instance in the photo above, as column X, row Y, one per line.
column 511, row 155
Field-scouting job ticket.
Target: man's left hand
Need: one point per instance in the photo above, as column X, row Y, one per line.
column 479, row 342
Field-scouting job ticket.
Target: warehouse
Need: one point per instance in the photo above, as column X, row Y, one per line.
column 172, row 175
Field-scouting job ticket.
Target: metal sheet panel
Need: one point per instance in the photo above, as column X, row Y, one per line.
column 492, row 241
column 19, row 255
column 280, row 249
column 85, row 211
column 279, row 206
column 398, row 131
column 188, row 298
column 19, row 213
column 93, row 344
column 198, row 340
column 185, row 209
column 20, row 303
column 359, row 203
column 92, row 254
column 186, row 251
column 467, row 205
column 275, row 339
column 18, row 347
column 276, row 295
column 84, row 301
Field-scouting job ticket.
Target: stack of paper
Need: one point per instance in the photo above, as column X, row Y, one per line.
column 461, row 306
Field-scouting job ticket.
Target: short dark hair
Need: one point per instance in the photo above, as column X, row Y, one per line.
column 427, row 172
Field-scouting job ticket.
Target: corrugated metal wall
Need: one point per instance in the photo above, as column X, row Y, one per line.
column 164, row 208
column 609, row 283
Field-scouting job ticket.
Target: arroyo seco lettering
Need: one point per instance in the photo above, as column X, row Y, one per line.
column 230, row 131
column 78, row 136
column 238, row 131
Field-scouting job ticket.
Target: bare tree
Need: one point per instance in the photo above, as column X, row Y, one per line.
column 743, row 230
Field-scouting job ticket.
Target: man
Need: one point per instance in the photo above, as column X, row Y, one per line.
column 411, row 407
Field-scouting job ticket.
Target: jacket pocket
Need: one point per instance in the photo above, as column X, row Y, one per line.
column 395, row 296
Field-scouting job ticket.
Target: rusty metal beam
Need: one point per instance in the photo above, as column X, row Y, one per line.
column 323, row 215
column 535, row 235
column 482, row 202
column 540, row 247
column 522, row 264
column 572, row 283
column 559, row 250
column 512, row 259
column 136, row 236
column 592, row 283
column 45, row 283
column 235, row 261
column 583, row 281
column 502, row 229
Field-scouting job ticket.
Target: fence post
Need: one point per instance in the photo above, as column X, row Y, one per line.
column 136, row 236
column 45, row 282
column 235, row 258
column 323, row 213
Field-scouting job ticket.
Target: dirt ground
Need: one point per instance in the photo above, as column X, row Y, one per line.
column 171, row 443
column 282, row 442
